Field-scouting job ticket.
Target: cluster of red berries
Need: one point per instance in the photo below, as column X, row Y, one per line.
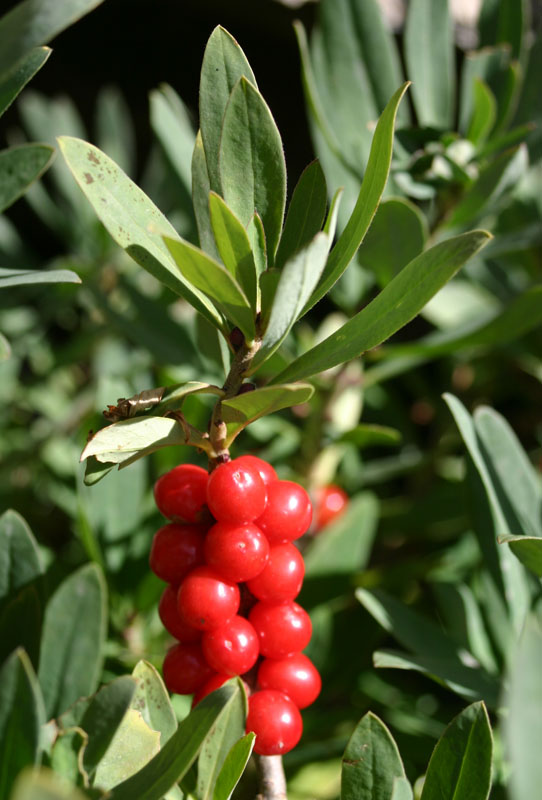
column 233, row 573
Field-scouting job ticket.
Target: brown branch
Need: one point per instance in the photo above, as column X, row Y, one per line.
column 271, row 778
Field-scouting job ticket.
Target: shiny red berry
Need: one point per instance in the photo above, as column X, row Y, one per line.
column 331, row 501
column 171, row 619
column 206, row 600
column 282, row 576
column 267, row 473
column 175, row 550
column 233, row 648
column 237, row 550
column 288, row 512
column 236, row 492
column 185, row 668
column 180, row 494
column 295, row 675
column 282, row 628
column 275, row 720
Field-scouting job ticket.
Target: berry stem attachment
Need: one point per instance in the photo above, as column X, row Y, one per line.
column 271, row 778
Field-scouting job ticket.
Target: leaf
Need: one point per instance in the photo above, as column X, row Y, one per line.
column 20, row 562
column 251, row 162
column 365, row 435
column 152, row 701
column 372, row 188
column 172, row 125
column 200, row 198
column 460, row 766
column 504, row 21
column 103, row 717
column 371, row 762
column 227, row 730
column 215, row 282
column 74, row 632
column 128, row 215
column 396, row 305
column 484, row 113
column 20, row 166
column 256, row 234
column 396, row 220
column 25, row 604
column 179, row 753
column 22, row 277
column 528, row 549
column 13, row 81
column 224, row 63
column 5, row 349
column 429, row 56
column 523, row 724
column 233, row 767
column 26, row 26
column 233, row 244
column 240, row 411
column 402, row 790
column 21, row 716
column 45, row 785
column 306, row 213
column 133, row 746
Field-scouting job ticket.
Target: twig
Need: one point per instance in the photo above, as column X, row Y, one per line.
column 271, row 778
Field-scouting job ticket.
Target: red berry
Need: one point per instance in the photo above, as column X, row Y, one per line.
column 238, row 550
column 171, row 619
column 267, row 473
column 175, row 550
column 288, row 512
column 282, row 628
column 282, row 576
column 185, row 668
column 181, row 492
column 275, row 720
column 236, row 492
column 331, row 501
column 206, row 600
column 295, row 675
column 233, row 648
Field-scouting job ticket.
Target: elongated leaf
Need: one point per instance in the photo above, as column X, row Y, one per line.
column 372, row 188
column 131, row 749
column 224, row 63
column 227, row 730
column 240, row 411
column 20, row 562
column 179, row 753
column 371, row 762
column 73, row 635
column 429, row 55
column 103, row 716
column 460, row 766
column 528, row 549
column 26, row 26
column 251, row 162
column 365, row 435
column 45, row 785
column 22, row 277
column 233, row 767
column 5, row 349
column 233, row 244
column 305, row 213
column 396, row 305
column 127, row 213
column 504, row 21
column 152, row 701
column 256, row 234
column 402, row 790
column 21, row 716
column 20, row 166
column 484, row 113
column 490, row 65
column 13, row 81
column 200, row 198
column 172, row 125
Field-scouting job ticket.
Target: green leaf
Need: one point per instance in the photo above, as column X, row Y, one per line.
column 20, row 562
column 396, row 220
column 233, row 767
column 240, row 411
column 374, row 182
column 460, row 766
column 152, row 701
column 20, row 166
column 104, row 716
column 172, row 125
column 133, row 746
column 12, row 82
column 233, row 244
column 26, row 26
column 365, row 435
column 347, row 543
column 74, row 632
column 371, row 762
column 128, row 215
column 429, row 55
column 491, row 65
column 21, row 716
column 523, row 722
column 504, row 21
column 402, row 790
column 5, row 349
column 256, row 234
column 215, row 282
column 396, row 305
column 200, row 198
column 25, row 604
column 179, row 753
column 224, row 63
column 45, row 785
column 22, row 277
column 528, row 549
column 306, row 213
column 484, row 113
column 227, row 730
column 251, row 162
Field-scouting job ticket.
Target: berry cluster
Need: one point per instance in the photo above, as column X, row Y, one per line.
column 233, row 574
